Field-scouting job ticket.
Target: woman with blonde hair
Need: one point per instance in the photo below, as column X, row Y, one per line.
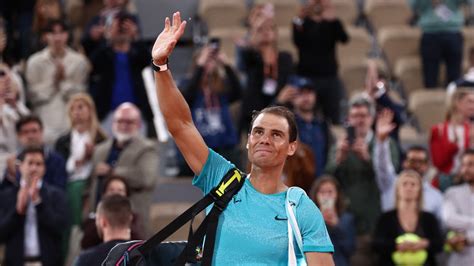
column 452, row 137
column 77, row 148
column 407, row 229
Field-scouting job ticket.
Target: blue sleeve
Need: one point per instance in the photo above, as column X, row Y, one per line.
column 212, row 172
column 313, row 228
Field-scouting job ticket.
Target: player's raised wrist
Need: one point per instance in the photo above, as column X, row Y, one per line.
column 160, row 61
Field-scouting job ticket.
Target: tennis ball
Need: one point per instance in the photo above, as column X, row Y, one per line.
column 447, row 246
column 416, row 258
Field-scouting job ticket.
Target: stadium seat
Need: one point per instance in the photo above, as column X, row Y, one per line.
column 468, row 33
column 408, row 71
column 222, row 13
column 353, row 74
column 410, row 136
column 285, row 42
column 382, row 13
column 428, row 106
column 399, row 41
column 346, row 10
column 358, row 46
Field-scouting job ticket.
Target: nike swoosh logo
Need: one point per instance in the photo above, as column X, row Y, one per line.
column 237, row 200
column 280, row 218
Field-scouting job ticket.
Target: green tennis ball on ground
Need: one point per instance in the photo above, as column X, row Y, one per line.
column 409, row 258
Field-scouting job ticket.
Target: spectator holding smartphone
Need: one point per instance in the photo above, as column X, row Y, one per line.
column 266, row 67
column 326, row 193
column 116, row 75
column 316, row 32
column 314, row 129
column 95, row 34
column 350, row 162
column 210, row 91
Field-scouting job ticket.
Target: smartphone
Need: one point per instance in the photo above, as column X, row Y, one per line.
column 215, row 44
column 350, row 134
column 327, row 204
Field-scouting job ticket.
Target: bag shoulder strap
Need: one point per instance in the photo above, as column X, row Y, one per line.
column 295, row 256
column 229, row 185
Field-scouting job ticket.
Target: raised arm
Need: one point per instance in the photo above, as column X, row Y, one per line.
column 382, row 160
column 175, row 110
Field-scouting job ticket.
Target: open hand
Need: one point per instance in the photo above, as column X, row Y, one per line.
column 166, row 41
column 384, row 125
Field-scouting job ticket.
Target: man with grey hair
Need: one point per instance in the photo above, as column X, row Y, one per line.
column 350, row 161
column 128, row 155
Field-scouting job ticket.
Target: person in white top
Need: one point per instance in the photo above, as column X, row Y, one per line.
column 458, row 213
column 416, row 158
column 77, row 147
column 53, row 75
column 11, row 110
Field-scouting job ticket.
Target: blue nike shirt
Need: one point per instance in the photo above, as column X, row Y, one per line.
column 253, row 228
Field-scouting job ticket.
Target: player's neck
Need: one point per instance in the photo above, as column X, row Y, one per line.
column 267, row 181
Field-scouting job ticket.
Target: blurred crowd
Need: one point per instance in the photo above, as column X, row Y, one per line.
column 79, row 159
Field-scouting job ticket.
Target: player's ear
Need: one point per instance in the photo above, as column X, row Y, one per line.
column 292, row 148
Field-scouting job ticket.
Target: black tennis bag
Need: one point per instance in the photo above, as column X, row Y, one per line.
column 179, row 253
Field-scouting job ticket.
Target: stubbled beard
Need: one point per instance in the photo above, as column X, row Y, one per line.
column 122, row 137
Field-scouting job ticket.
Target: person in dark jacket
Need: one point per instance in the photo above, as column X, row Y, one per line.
column 114, row 218
column 210, row 91
column 113, row 185
column 117, row 74
column 95, row 36
column 33, row 215
column 29, row 130
column 265, row 66
column 314, row 130
column 407, row 217
column 316, row 32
